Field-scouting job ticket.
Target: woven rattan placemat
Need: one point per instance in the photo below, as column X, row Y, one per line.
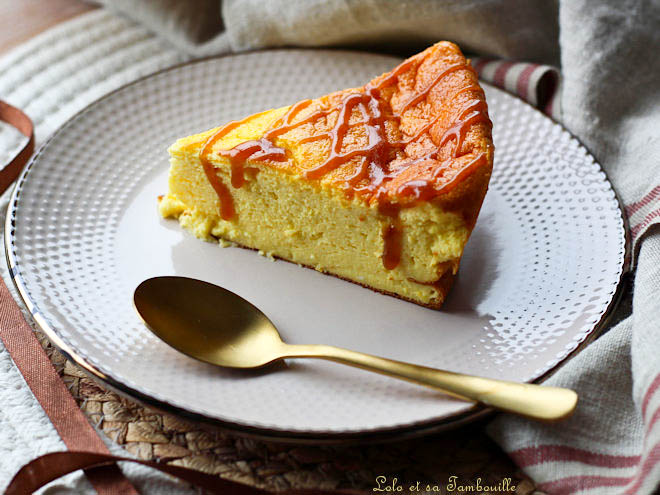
column 465, row 453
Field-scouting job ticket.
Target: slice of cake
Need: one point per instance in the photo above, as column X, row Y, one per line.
column 380, row 185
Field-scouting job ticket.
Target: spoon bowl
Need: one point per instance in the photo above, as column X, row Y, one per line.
column 217, row 326
column 207, row 322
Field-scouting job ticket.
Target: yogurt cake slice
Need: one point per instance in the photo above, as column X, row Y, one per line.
column 379, row 185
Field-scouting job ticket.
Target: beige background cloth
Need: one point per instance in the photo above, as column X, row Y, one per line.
column 206, row 27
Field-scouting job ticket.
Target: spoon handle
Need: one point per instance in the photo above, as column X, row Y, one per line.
column 532, row 401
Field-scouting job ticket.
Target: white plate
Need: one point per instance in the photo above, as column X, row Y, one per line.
column 538, row 275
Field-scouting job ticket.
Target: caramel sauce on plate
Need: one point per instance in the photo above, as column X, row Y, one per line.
column 373, row 169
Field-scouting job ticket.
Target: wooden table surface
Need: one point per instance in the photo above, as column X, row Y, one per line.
column 20, row 20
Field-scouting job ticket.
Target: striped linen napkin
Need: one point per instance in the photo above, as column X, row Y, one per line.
column 537, row 84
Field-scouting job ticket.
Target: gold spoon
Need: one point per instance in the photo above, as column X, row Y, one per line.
column 216, row 326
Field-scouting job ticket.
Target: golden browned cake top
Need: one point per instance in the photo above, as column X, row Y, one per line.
column 413, row 133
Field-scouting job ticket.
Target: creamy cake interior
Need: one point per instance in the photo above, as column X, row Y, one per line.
column 381, row 214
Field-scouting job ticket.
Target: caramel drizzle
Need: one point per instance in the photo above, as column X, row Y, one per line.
column 224, row 196
column 374, row 122
column 423, row 189
column 424, row 93
column 374, row 155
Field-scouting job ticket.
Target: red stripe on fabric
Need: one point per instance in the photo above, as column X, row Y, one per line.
column 637, row 205
column 650, row 461
column 481, row 63
column 649, row 393
column 573, row 484
column 644, row 223
column 653, row 420
column 530, row 456
column 522, row 85
column 500, row 73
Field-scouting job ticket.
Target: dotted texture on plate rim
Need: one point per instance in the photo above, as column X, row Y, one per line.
column 553, row 214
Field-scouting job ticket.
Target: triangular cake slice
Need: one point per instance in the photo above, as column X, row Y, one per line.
column 380, row 185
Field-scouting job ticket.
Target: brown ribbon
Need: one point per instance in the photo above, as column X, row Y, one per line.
column 13, row 116
column 32, row 361
column 49, row 467
column 86, row 449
